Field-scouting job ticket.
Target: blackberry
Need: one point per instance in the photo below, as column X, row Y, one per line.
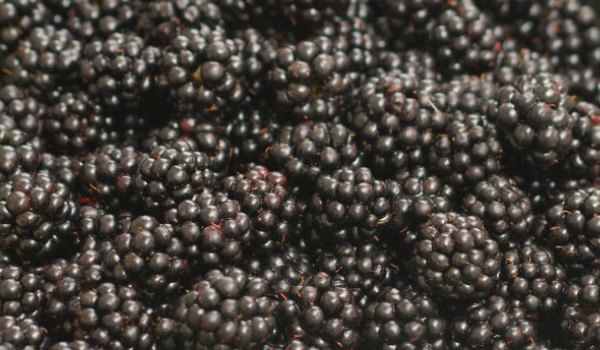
column 493, row 323
column 531, row 276
column 266, row 197
column 16, row 159
column 20, row 333
column 166, row 176
column 309, row 80
column 349, row 204
column 118, row 71
column 310, row 149
column 251, row 132
column 515, row 61
column 21, row 292
column 45, row 59
column 579, row 315
column 403, row 317
column 37, row 214
column 17, row 18
column 573, row 227
column 112, row 316
column 73, row 345
column 467, row 152
column 101, row 224
column 212, row 228
column 392, row 127
column 22, row 111
column 76, row 124
column 534, row 113
column 454, row 257
column 585, row 153
column 107, row 175
column 227, row 308
column 321, row 312
column 504, row 208
column 368, row 267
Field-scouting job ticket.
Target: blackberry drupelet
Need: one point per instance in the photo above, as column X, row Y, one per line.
column 17, row 18
column 251, row 132
column 350, row 204
column 226, row 309
column 573, row 228
column 22, row 158
column 21, row 293
column 37, row 214
column 493, row 323
column 403, row 317
column 454, row 257
column 531, row 276
column 20, row 333
column 23, row 111
column 534, row 113
column 307, row 150
column 505, row 209
column 321, row 312
column 118, row 71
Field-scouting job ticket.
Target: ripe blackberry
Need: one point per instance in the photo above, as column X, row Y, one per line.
column 454, row 257
column 251, row 131
column 579, row 315
column 573, row 228
column 118, row 71
column 16, row 159
column 416, row 196
column 20, row 333
column 22, row 111
column 493, row 323
column 515, row 61
column 584, row 159
column 107, row 174
column 37, row 213
column 348, row 204
column 321, row 312
column 368, row 267
column 310, row 149
column 467, row 152
column 392, row 127
column 112, row 316
column 403, row 317
column 227, row 308
column 73, row 345
column 309, row 80
column 535, row 114
column 21, row 292
column 415, row 63
column 45, row 59
column 531, row 276
column 17, row 17
column 213, row 229
column 266, row 197
column 101, row 224
column 505, row 209
column 166, row 176
column 75, row 124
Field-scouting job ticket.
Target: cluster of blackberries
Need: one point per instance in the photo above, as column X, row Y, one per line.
column 299, row 174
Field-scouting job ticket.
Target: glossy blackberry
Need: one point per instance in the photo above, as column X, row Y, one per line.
column 534, row 113
column 467, row 152
column 101, row 224
column 15, row 159
column 454, row 257
column 112, row 316
column 17, row 18
column 149, row 254
column 37, row 213
column 584, row 158
column 20, row 333
column 73, row 345
column 493, row 324
column 251, row 132
column 267, row 198
column 515, row 61
column 166, row 176
column 417, row 195
column 107, row 175
column 309, row 80
column 226, row 309
column 579, row 317
column 118, row 70
column 307, row 150
column 22, row 110
column 391, row 125
column 21, row 292
column 412, row 62
column 368, row 268
column 573, row 227
column 46, row 58
column 322, row 313
column 348, row 204
column 75, row 124
column 213, row 229
column 403, row 317
column 505, row 209
column 531, row 276
column 465, row 39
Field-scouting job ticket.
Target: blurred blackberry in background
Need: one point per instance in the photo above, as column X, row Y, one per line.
column 403, row 317
column 17, row 17
column 227, row 308
column 454, row 257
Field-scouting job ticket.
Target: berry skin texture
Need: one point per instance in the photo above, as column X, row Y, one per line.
column 454, row 257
